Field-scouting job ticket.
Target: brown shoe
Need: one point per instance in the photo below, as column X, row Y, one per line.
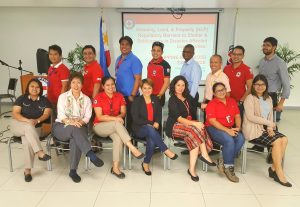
column 220, row 165
column 229, row 172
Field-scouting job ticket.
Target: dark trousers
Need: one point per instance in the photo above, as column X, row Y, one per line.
column 78, row 138
column 153, row 139
column 129, row 119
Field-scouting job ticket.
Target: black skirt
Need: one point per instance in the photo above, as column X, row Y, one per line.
column 266, row 140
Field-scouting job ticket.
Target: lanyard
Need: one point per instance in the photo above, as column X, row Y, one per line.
column 119, row 63
column 187, row 106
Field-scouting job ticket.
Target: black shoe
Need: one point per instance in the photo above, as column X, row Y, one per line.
column 271, row 173
column 276, row 178
column 97, row 162
column 185, row 152
column 45, row 157
column 194, row 178
column 27, row 177
column 255, row 148
column 140, row 156
column 213, row 152
column 75, row 177
column 146, row 172
column 174, row 157
column 121, row 175
column 206, row 161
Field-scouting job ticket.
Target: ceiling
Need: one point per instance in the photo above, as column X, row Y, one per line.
column 154, row 3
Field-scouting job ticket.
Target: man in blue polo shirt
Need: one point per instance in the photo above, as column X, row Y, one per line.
column 128, row 74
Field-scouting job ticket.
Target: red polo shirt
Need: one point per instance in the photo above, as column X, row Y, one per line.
column 110, row 106
column 56, row 74
column 223, row 113
column 237, row 79
column 157, row 70
column 92, row 74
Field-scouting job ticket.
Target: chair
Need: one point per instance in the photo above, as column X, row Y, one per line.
column 260, row 145
column 16, row 139
column 143, row 141
column 11, row 90
column 107, row 140
column 58, row 145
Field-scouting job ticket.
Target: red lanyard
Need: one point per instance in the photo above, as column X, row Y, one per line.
column 119, row 63
column 187, row 106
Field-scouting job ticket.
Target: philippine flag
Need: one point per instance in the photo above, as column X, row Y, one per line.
column 105, row 59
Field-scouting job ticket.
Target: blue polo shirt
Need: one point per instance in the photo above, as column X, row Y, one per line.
column 125, row 72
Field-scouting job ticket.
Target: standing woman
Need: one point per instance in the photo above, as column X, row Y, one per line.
column 74, row 110
column 29, row 112
column 110, row 110
column 158, row 71
column 258, row 126
column 181, row 125
column 146, row 114
column 223, row 123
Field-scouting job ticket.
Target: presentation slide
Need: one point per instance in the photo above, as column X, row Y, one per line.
column 199, row 30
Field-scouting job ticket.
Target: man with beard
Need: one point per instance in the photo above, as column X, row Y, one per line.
column 275, row 70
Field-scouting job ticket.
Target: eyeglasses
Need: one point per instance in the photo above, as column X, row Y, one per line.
column 221, row 90
column 237, row 54
column 259, row 85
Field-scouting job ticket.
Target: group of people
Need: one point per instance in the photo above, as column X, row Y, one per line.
column 235, row 104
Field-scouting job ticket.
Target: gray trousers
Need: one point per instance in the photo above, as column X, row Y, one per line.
column 78, row 138
column 30, row 140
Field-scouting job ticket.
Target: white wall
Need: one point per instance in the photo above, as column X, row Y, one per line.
column 23, row 30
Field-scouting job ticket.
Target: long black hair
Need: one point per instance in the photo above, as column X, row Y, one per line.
column 186, row 91
column 262, row 78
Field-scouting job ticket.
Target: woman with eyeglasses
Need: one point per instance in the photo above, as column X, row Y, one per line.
column 29, row 112
column 223, row 123
column 146, row 114
column 158, row 70
column 259, row 126
column 181, row 125
column 110, row 110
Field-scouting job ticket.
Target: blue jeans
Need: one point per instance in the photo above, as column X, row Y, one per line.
column 231, row 146
column 153, row 139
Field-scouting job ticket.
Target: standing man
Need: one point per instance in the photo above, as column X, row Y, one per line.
column 191, row 70
column 92, row 73
column 58, row 76
column 216, row 75
column 128, row 75
column 275, row 70
column 240, row 77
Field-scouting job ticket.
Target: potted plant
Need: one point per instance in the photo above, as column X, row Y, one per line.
column 75, row 59
column 291, row 58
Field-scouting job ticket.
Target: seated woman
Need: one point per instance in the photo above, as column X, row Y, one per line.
column 110, row 110
column 74, row 110
column 223, row 123
column 258, row 125
column 29, row 112
column 180, row 125
column 146, row 114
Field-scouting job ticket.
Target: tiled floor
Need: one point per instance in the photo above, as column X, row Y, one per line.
column 164, row 188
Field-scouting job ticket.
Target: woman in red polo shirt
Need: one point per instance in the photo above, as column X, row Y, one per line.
column 223, row 123
column 158, row 71
column 110, row 110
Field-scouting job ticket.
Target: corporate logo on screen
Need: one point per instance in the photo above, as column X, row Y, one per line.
column 129, row 23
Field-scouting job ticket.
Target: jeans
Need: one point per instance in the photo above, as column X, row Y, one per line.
column 231, row 146
column 153, row 139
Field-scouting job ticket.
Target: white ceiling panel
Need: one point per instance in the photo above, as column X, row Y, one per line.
column 154, row 3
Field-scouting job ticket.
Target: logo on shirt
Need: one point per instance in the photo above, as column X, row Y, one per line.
column 154, row 72
column 168, row 70
column 95, row 101
column 238, row 74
